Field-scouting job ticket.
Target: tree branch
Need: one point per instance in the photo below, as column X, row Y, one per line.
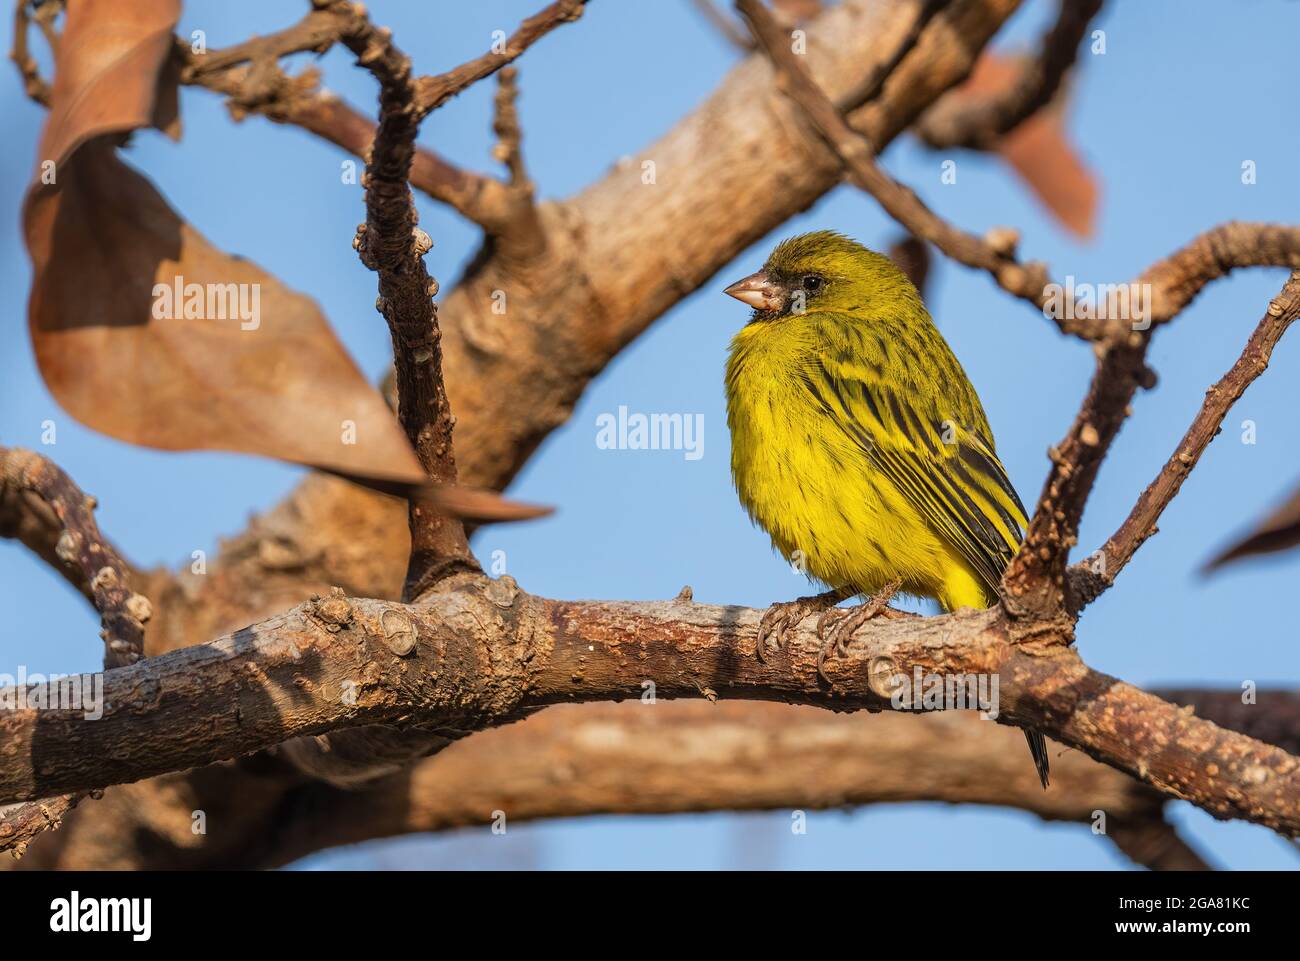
column 956, row 122
column 390, row 244
column 34, row 85
column 41, row 506
column 36, row 500
column 250, row 76
column 485, row 654
column 1090, row 577
column 432, row 92
column 577, row 760
column 1035, row 582
column 995, row 255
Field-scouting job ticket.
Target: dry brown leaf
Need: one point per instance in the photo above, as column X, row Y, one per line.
column 1279, row 531
column 483, row 506
column 119, row 357
column 109, row 77
column 278, row 384
column 1039, row 149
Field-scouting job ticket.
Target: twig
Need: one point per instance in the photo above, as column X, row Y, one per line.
column 956, row 122
column 390, row 244
column 519, row 230
column 433, row 92
column 34, row 85
column 36, row 499
column 874, row 81
column 24, row 476
column 1033, row 586
column 505, row 124
column 21, row 826
column 724, row 25
column 996, row 256
column 250, row 76
column 1091, row 577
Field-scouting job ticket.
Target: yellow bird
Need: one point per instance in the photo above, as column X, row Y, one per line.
column 859, row 444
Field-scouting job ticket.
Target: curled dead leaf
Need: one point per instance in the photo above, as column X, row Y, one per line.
column 483, row 506
column 141, row 328
column 112, row 73
column 1279, row 531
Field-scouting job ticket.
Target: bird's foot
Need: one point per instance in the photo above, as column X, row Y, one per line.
column 836, row 639
column 780, row 618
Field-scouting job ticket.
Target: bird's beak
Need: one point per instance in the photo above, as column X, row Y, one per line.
column 759, row 291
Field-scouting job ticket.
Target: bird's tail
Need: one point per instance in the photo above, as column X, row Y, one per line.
column 1038, row 748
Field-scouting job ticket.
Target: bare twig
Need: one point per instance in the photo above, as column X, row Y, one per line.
column 1092, row 576
column 250, row 76
column 41, row 505
column 505, row 124
column 34, row 85
column 1033, row 586
column 390, row 243
column 1035, row 582
column 31, row 484
column 724, row 25
column 432, row 92
column 874, row 81
column 956, row 122
column 995, row 255
column 519, row 231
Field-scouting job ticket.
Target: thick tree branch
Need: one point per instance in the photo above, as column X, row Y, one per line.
column 1090, row 577
column 576, row 760
column 486, row 653
column 663, row 758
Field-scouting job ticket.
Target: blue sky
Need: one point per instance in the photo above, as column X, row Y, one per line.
column 1185, row 92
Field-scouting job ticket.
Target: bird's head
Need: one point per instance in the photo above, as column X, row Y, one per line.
column 822, row 271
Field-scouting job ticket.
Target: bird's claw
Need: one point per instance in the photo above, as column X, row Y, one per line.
column 836, row 640
column 780, row 618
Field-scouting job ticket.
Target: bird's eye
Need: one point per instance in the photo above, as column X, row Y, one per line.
column 812, row 283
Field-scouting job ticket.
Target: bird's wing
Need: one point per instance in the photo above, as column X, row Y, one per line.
column 947, row 470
